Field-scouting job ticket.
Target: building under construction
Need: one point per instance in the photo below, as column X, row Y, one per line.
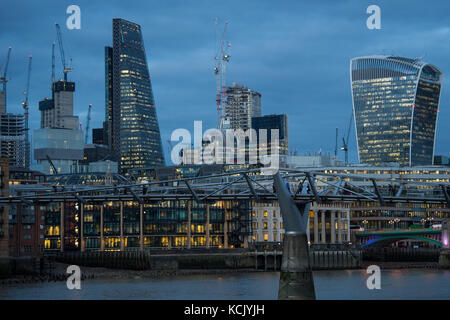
column 58, row 144
column 13, row 128
column 241, row 105
column 12, row 139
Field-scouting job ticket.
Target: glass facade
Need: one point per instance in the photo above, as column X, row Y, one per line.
column 136, row 140
column 395, row 105
column 269, row 122
column 164, row 225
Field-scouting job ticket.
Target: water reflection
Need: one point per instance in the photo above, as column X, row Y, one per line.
column 344, row 284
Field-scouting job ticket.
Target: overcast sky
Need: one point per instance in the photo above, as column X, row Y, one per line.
column 295, row 53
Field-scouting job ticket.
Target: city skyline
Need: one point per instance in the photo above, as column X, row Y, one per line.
column 267, row 57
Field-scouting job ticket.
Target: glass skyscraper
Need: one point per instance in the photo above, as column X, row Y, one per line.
column 131, row 121
column 395, row 106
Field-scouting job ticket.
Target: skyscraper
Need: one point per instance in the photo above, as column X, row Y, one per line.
column 12, row 139
column 269, row 122
column 395, row 105
column 241, row 105
column 132, row 123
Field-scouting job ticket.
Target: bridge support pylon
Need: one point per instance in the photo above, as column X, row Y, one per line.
column 296, row 277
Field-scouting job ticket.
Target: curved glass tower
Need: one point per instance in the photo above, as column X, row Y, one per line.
column 134, row 133
column 395, row 105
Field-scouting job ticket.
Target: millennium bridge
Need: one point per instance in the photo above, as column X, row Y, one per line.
column 384, row 196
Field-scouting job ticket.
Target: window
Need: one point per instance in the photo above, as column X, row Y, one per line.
column 266, row 236
column 265, row 225
column 275, row 226
column 265, row 213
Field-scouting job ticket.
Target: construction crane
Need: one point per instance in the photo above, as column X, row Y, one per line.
column 53, row 65
column 25, row 108
column 3, row 78
column 336, row 144
column 88, row 120
column 221, row 58
column 51, row 164
column 66, row 69
column 345, row 141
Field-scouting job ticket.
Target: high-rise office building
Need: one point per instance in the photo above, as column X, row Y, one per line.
column 241, row 104
column 132, row 124
column 395, row 105
column 2, row 102
column 273, row 121
column 109, row 129
column 12, row 139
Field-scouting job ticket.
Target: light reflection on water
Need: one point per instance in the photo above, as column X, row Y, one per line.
column 343, row 284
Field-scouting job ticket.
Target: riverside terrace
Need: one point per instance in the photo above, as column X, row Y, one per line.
column 216, row 206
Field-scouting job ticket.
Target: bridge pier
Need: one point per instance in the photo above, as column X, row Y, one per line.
column 296, row 278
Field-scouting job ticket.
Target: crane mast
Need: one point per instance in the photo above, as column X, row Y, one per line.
column 221, row 58
column 88, row 120
column 345, row 141
column 3, row 78
column 53, row 65
column 25, row 107
column 66, row 69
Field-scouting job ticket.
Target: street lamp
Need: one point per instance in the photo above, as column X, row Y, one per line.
column 430, row 222
column 365, row 222
column 423, row 222
column 396, row 220
column 391, row 222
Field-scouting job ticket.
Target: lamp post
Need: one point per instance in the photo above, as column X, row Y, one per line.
column 423, row 223
column 430, row 222
column 365, row 222
column 396, row 220
column 391, row 222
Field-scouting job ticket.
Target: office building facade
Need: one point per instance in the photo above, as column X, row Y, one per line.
column 132, row 123
column 12, row 139
column 272, row 122
column 395, row 105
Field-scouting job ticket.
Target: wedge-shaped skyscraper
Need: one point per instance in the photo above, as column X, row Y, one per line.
column 131, row 121
column 395, row 106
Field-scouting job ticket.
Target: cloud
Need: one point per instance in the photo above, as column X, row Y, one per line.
column 296, row 54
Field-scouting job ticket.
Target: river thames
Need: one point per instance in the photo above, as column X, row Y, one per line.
column 330, row 285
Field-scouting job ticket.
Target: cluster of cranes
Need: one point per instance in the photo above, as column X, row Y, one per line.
column 66, row 69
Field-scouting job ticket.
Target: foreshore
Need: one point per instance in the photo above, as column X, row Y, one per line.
column 59, row 273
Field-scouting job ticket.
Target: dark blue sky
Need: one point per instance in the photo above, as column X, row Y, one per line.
column 295, row 53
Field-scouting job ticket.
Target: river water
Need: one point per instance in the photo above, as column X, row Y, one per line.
column 342, row 284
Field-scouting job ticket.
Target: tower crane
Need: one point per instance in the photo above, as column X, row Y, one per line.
column 25, row 107
column 66, row 69
column 3, row 78
column 221, row 58
column 53, row 65
column 88, row 120
column 345, row 141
